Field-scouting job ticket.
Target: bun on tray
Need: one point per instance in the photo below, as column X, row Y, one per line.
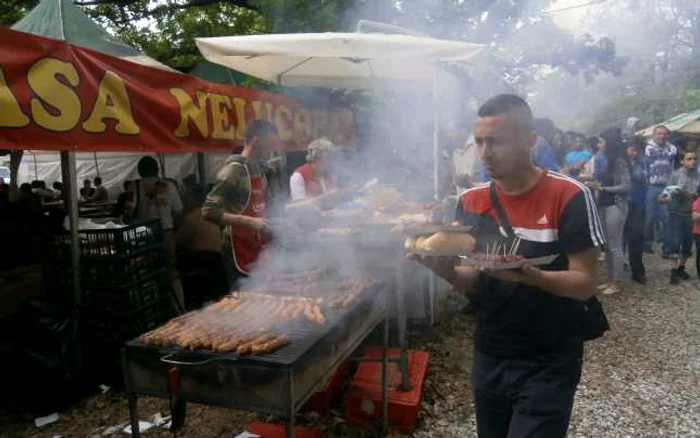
column 442, row 241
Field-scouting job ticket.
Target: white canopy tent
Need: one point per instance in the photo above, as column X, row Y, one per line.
column 344, row 60
column 113, row 167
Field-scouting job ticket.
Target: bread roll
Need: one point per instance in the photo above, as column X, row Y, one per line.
column 413, row 244
column 445, row 241
column 410, row 243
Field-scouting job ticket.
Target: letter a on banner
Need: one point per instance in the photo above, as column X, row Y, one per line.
column 112, row 103
column 11, row 115
column 57, row 107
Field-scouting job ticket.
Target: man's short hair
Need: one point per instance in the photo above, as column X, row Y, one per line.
column 657, row 127
column 98, row 181
column 317, row 147
column 147, row 167
column 86, row 181
column 504, row 103
column 259, row 129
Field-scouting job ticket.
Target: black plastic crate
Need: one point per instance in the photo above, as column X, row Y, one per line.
column 107, row 243
column 104, row 298
column 117, row 328
column 123, row 270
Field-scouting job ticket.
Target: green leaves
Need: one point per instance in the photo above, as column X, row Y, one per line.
column 12, row 11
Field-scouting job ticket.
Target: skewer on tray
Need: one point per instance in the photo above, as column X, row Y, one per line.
column 501, row 256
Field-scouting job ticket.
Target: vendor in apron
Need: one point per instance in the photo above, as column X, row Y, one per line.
column 238, row 199
column 314, row 178
column 313, row 186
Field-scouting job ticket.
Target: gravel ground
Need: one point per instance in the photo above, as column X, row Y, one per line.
column 641, row 380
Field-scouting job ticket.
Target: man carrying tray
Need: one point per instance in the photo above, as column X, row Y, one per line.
column 532, row 322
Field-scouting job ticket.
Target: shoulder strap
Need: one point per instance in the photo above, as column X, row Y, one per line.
column 502, row 217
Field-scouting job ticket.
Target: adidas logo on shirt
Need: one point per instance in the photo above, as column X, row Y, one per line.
column 543, row 220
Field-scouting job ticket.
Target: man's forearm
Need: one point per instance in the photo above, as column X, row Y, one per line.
column 569, row 284
column 235, row 220
column 464, row 278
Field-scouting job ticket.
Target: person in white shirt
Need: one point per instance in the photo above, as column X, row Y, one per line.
column 466, row 165
column 314, row 178
column 158, row 198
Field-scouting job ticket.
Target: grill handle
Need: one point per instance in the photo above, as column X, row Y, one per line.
column 175, row 359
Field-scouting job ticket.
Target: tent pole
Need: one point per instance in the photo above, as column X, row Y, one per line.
column 201, row 169
column 36, row 167
column 97, row 167
column 71, row 202
column 70, row 199
column 432, row 278
column 436, row 139
column 281, row 166
column 161, row 163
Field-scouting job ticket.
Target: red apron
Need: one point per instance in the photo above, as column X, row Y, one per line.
column 246, row 244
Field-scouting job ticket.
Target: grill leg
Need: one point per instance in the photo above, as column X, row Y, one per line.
column 134, row 415
column 401, row 320
column 385, row 398
column 131, row 397
column 292, row 409
column 400, row 299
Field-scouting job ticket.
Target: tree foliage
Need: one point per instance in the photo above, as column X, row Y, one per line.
column 12, row 11
column 662, row 41
column 521, row 34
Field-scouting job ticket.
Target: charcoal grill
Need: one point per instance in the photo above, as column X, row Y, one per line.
column 277, row 383
column 376, row 238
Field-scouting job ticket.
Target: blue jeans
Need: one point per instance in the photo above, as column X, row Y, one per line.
column 656, row 216
column 679, row 236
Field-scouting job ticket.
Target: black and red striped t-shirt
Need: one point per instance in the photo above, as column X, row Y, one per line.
column 556, row 216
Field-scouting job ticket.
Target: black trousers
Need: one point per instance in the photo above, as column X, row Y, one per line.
column 525, row 398
column 203, row 277
column 634, row 237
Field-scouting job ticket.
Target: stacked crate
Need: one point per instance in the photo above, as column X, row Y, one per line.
column 125, row 287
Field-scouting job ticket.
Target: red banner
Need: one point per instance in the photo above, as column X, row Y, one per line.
column 55, row 96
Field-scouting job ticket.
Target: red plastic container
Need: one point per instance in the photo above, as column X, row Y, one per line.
column 269, row 430
column 364, row 402
column 325, row 397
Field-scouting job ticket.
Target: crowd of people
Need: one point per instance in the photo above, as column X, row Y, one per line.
column 38, row 192
column 516, row 180
column 644, row 190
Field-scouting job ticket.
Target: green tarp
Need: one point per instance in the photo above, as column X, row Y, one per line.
column 217, row 73
column 63, row 20
column 687, row 123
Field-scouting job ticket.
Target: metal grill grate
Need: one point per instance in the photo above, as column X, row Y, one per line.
column 303, row 336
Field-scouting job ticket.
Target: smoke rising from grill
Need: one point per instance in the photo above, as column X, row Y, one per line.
column 574, row 79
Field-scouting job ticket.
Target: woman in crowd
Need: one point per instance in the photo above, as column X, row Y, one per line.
column 612, row 184
column 634, row 228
